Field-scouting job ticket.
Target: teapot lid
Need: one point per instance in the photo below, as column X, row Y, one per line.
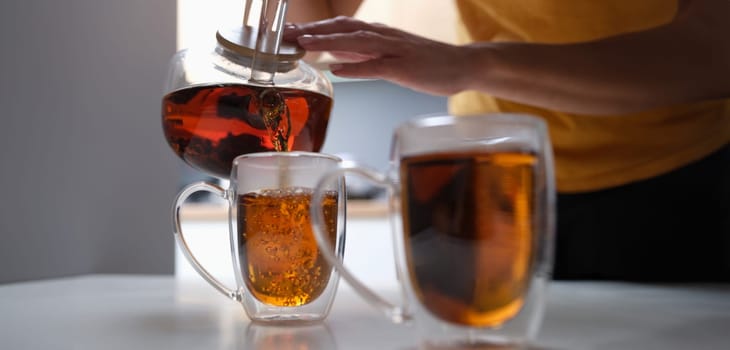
column 242, row 40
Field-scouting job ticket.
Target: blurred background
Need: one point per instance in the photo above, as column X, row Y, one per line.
column 86, row 178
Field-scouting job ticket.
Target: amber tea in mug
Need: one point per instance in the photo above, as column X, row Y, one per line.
column 280, row 270
column 467, row 268
column 472, row 204
column 281, row 259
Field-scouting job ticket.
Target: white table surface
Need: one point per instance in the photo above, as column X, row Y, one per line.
column 157, row 312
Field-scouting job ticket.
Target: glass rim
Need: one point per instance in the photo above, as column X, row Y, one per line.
column 442, row 119
column 288, row 154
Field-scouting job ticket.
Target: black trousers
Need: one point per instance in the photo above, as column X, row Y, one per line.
column 671, row 228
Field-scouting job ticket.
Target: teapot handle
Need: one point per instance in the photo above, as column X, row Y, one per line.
column 396, row 313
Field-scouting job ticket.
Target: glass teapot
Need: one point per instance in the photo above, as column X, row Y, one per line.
column 250, row 93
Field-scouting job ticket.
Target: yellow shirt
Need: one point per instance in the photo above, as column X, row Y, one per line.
column 594, row 153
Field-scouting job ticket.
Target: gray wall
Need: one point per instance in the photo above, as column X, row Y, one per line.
column 86, row 178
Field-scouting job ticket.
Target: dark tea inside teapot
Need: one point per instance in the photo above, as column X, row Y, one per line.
column 209, row 125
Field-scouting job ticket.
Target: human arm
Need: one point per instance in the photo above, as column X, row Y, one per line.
column 686, row 60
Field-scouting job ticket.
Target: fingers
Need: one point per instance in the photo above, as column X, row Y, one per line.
column 339, row 24
column 349, row 37
column 342, row 57
column 376, row 68
column 362, row 42
column 327, row 26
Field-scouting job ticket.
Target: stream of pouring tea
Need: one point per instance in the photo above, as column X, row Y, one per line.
column 275, row 114
column 276, row 117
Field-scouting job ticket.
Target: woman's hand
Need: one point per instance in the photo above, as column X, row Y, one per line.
column 368, row 50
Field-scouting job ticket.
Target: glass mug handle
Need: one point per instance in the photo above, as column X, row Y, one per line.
column 396, row 314
column 183, row 245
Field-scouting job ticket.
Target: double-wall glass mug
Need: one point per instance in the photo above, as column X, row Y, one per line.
column 280, row 271
column 472, row 204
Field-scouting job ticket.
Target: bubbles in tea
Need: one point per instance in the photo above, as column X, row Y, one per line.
column 282, row 262
column 468, row 225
